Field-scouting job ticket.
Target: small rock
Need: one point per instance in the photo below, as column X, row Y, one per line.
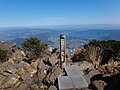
column 99, row 84
column 22, row 87
column 52, row 88
column 35, row 87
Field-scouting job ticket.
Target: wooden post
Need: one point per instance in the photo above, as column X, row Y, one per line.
column 62, row 62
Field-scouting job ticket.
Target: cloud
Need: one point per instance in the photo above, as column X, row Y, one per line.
column 58, row 18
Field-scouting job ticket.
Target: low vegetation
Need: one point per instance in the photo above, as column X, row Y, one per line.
column 3, row 55
column 34, row 46
column 106, row 48
column 110, row 46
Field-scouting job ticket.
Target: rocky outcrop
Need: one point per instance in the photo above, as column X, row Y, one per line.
column 18, row 74
column 10, row 46
column 102, row 82
column 46, row 73
column 23, row 75
column 105, row 62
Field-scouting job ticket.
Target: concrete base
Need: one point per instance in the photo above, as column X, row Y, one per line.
column 65, row 83
column 72, row 82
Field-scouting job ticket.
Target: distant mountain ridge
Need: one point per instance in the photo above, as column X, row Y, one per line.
column 75, row 34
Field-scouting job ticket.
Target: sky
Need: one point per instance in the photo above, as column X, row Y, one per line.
column 58, row 12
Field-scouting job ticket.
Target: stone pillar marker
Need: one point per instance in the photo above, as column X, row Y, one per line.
column 62, row 61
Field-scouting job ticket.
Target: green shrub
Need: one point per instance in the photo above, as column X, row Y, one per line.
column 81, row 56
column 111, row 49
column 3, row 55
column 35, row 46
column 111, row 46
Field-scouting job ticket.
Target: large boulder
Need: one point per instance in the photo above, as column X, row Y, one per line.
column 8, row 45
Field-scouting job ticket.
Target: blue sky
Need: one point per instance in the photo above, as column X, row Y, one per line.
column 58, row 12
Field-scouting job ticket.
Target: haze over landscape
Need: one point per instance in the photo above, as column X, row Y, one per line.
column 80, row 19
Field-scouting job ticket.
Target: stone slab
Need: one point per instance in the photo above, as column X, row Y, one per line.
column 72, row 82
column 73, row 70
column 65, row 83
column 79, row 81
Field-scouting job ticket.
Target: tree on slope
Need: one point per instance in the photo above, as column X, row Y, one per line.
column 34, row 46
